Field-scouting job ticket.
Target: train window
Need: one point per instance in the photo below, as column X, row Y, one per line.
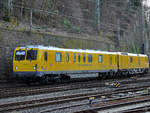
column 31, row 54
column 45, row 56
column 74, row 57
column 115, row 59
column 78, row 57
column 100, row 58
column 58, row 57
column 110, row 59
column 89, row 58
column 20, row 55
column 84, row 58
column 139, row 61
column 131, row 60
column 67, row 57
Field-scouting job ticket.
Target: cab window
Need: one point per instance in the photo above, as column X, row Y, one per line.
column 20, row 55
column 58, row 57
column 31, row 54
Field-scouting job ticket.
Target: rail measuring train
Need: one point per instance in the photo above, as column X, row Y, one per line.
column 45, row 64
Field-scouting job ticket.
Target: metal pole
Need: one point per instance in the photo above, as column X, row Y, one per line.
column 118, row 32
column 31, row 20
column 98, row 14
column 11, row 6
column 141, row 22
column 8, row 7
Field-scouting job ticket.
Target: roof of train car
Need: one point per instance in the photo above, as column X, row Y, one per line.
column 40, row 47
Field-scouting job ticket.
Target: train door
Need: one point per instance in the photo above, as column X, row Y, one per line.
column 45, row 60
column 19, row 61
column 118, row 62
column 110, row 61
column 139, row 61
column 31, row 60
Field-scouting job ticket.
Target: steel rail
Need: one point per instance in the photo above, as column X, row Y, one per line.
column 25, row 91
column 58, row 100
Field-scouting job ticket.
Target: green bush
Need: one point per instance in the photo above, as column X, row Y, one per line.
column 66, row 23
column 76, row 29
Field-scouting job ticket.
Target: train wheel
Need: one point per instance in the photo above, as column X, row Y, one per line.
column 44, row 80
column 65, row 78
column 105, row 76
column 100, row 76
column 58, row 81
column 27, row 82
column 111, row 74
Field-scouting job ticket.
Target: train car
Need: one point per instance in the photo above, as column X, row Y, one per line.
column 51, row 63
column 130, row 63
column 143, row 63
column 45, row 64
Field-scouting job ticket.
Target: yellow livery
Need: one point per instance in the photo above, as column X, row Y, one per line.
column 39, row 63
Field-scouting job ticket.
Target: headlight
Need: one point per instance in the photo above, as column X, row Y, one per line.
column 16, row 68
column 34, row 68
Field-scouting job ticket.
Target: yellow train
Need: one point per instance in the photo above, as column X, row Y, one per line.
column 45, row 64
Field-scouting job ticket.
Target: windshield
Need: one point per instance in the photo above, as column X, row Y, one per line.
column 31, row 54
column 20, row 55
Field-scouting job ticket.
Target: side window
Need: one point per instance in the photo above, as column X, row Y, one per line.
column 131, row 60
column 100, row 58
column 58, row 57
column 139, row 61
column 110, row 59
column 74, row 57
column 45, row 56
column 115, row 59
column 67, row 57
column 84, row 58
column 89, row 58
column 78, row 57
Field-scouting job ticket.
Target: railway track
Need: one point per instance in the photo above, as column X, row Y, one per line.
column 25, row 91
column 62, row 99
column 7, row 107
column 145, row 109
column 123, row 102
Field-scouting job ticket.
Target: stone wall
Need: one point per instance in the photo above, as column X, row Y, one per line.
column 9, row 39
